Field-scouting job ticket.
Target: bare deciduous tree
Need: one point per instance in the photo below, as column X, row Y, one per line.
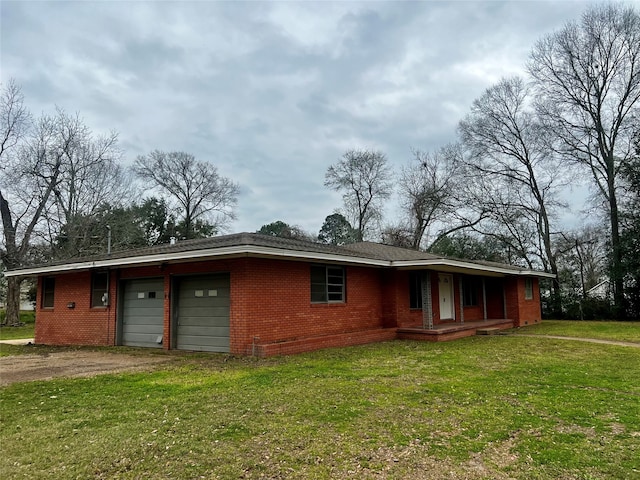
column 53, row 170
column 365, row 181
column 196, row 188
column 588, row 80
column 32, row 172
column 15, row 120
column 507, row 145
column 91, row 178
column 432, row 198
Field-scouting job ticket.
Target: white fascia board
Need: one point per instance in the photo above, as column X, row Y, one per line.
column 196, row 254
column 443, row 262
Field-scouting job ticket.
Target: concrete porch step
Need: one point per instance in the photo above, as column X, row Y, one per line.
column 488, row 331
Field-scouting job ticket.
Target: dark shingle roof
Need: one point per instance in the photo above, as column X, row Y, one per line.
column 363, row 252
column 380, row 251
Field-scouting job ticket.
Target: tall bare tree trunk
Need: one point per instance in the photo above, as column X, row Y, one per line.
column 13, row 301
column 616, row 254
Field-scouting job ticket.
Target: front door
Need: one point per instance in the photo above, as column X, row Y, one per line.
column 445, row 283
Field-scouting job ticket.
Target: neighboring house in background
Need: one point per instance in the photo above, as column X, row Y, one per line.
column 251, row 294
column 601, row 290
column 25, row 303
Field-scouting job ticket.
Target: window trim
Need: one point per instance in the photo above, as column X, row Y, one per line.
column 326, row 284
column 48, row 292
column 97, row 293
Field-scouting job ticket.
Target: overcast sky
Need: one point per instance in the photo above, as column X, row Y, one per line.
column 272, row 93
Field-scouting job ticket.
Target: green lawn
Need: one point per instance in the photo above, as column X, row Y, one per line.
column 25, row 331
column 621, row 331
column 492, row 407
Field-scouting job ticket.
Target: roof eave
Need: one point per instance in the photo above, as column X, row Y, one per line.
column 469, row 266
column 235, row 251
column 270, row 252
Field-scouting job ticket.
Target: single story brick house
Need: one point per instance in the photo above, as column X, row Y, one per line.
column 252, row 294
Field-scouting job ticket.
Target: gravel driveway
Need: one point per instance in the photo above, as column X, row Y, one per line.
column 24, row 368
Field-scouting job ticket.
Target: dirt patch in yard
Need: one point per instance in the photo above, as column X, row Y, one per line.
column 25, row 368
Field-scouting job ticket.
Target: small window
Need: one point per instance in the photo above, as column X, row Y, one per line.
column 469, row 292
column 151, row 295
column 99, row 287
column 327, row 284
column 415, row 290
column 48, row 290
column 528, row 289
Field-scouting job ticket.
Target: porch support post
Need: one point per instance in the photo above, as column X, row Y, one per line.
column 427, row 304
column 504, row 301
column 461, row 299
column 484, row 299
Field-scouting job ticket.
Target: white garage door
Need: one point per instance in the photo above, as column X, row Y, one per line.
column 203, row 313
column 143, row 313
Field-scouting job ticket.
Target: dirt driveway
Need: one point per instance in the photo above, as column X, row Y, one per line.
column 24, row 368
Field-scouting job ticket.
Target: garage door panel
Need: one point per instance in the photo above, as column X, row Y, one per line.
column 203, row 313
column 201, row 309
column 212, row 322
column 143, row 312
column 204, row 331
column 205, row 344
column 150, row 311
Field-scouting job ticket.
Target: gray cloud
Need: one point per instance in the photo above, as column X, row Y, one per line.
column 270, row 92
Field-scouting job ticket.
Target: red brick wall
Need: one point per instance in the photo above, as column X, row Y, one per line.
column 270, row 303
column 270, row 300
column 396, row 292
column 273, row 303
column 522, row 311
column 81, row 325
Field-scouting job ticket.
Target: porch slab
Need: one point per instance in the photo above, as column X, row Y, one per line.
column 453, row 331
